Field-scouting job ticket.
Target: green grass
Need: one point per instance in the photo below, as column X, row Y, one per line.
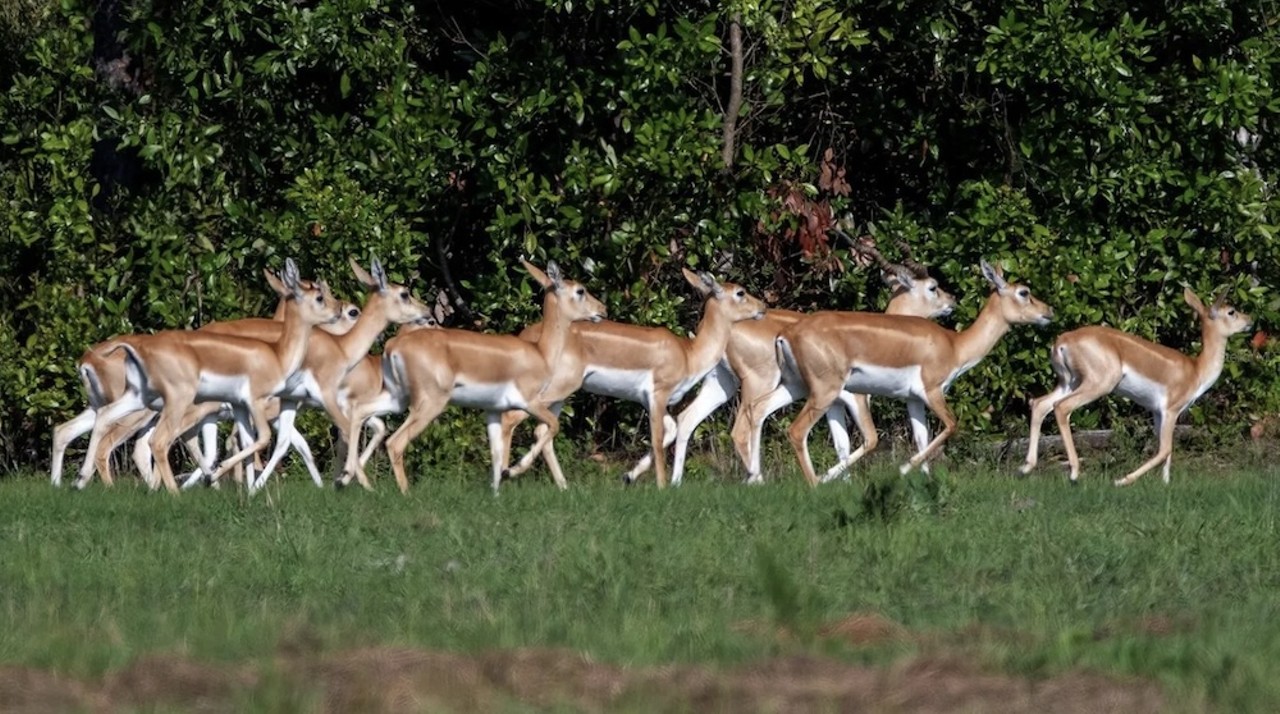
column 1025, row 575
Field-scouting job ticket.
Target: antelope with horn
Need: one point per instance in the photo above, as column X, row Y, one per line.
column 329, row 359
column 172, row 370
column 915, row 294
column 103, row 380
column 426, row 370
column 899, row 356
column 651, row 366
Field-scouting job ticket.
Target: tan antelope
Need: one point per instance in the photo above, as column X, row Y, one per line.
column 426, row 370
column 328, row 360
column 172, row 370
column 1095, row 361
column 899, row 356
column 914, row 293
column 648, row 365
column 364, row 386
column 103, row 380
column 750, row 352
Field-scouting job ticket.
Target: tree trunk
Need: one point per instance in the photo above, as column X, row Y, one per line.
column 735, row 92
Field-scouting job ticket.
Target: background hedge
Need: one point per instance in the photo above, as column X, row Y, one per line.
column 156, row 155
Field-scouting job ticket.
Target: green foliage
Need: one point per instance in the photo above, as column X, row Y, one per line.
column 1103, row 154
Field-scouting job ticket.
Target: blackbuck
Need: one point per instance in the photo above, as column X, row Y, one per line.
column 751, row 368
column 899, row 356
column 426, row 370
column 1095, row 361
column 328, row 360
column 651, row 366
column 103, row 380
column 172, row 370
column 914, row 294
column 364, row 387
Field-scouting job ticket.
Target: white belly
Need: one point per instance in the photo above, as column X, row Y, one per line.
column 683, row 387
column 896, row 382
column 1142, row 390
column 634, row 385
column 223, row 388
column 302, row 386
column 498, row 397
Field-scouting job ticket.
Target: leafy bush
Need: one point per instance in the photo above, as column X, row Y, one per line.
column 156, row 156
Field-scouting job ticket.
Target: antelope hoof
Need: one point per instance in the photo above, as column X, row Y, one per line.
column 505, row 475
column 340, row 483
column 1074, row 482
column 628, row 479
column 1026, row 468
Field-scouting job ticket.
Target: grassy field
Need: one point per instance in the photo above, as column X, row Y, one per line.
column 1177, row 584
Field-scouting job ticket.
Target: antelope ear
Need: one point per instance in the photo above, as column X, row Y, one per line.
column 553, row 272
column 1219, row 302
column 276, row 284
column 291, row 278
column 361, row 274
column 379, row 275
column 542, row 278
column 1194, row 301
column 712, row 284
column 695, row 280
column 994, row 275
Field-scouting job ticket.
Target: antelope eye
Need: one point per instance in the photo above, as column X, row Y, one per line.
column 319, row 299
column 404, row 295
column 740, row 294
column 1024, row 293
column 1231, row 313
column 933, row 288
column 353, row 313
column 580, row 291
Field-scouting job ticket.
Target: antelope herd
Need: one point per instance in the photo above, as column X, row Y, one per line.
column 177, row 385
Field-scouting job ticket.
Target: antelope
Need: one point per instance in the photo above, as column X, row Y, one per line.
column 173, row 370
column 753, row 359
column 648, row 365
column 329, row 359
column 1092, row 362
column 364, row 386
column 206, row 415
column 426, row 370
column 899, row 356
column 103, row 380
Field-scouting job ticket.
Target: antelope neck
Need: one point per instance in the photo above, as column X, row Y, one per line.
column 974, row 342
column 708, row 344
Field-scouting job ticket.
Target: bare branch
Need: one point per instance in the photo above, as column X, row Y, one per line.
column 735, row 91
